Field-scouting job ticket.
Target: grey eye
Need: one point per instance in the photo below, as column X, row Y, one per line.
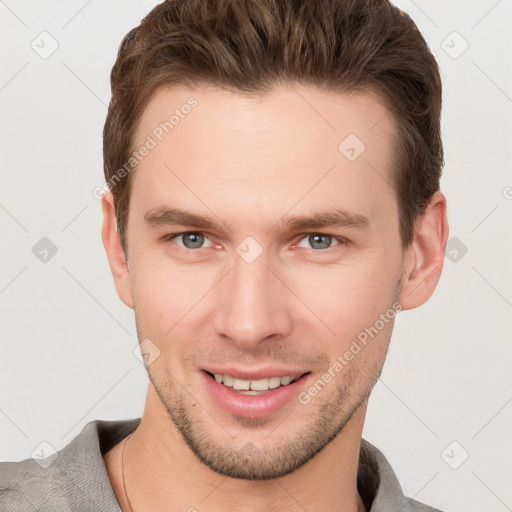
column 320, row 241
column 192, row 240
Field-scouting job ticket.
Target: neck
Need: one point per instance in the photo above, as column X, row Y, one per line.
column 162, row 473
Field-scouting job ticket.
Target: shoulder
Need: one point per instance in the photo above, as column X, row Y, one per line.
column 74, row 478
column 411, row 505
column 378, row 484
column 23, row 484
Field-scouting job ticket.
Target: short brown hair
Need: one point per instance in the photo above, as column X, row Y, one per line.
column 251, row 46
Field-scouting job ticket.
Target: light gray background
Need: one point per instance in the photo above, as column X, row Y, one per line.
column 67, row 340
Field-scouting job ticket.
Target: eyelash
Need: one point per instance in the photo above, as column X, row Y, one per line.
column 341, row 241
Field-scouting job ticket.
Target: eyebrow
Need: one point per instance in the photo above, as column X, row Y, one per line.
column 163, row 216
column 335, row 217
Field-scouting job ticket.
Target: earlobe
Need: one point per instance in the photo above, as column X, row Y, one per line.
column 115, row 253
column 424, row 258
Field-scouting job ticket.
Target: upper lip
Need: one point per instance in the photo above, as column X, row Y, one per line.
column 255, row 374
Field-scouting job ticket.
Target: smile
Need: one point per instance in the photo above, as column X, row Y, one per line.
column 254, row 398
column 253, row 387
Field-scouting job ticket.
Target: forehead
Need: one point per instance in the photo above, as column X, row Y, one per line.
column 295, row 147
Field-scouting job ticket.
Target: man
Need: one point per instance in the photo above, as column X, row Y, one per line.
column 273, row 202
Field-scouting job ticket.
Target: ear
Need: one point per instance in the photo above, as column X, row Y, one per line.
column 425, row 257
column 115, row 253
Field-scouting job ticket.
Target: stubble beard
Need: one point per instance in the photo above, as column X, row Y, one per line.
column 325, row 417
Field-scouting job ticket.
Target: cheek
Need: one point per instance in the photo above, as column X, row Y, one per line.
column 164, row 309
column 347, row 298
column 168, row 298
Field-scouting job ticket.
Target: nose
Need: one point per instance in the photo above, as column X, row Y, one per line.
column 253, row 304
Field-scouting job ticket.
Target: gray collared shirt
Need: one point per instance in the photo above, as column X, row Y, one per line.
column 75, row 478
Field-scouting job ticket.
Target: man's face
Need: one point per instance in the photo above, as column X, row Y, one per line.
column 259, row 288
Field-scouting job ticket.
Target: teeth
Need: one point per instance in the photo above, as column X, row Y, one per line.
column 253, row 385
column 241, row 384
column 274, row 382
column 259, row 385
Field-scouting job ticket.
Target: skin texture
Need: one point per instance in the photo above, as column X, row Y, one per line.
column 249, row 164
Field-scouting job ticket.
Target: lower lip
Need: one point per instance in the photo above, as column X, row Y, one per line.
column 253, row 406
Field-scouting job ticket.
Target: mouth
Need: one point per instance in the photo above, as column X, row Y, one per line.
column 255, row 386
column 256, row 398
